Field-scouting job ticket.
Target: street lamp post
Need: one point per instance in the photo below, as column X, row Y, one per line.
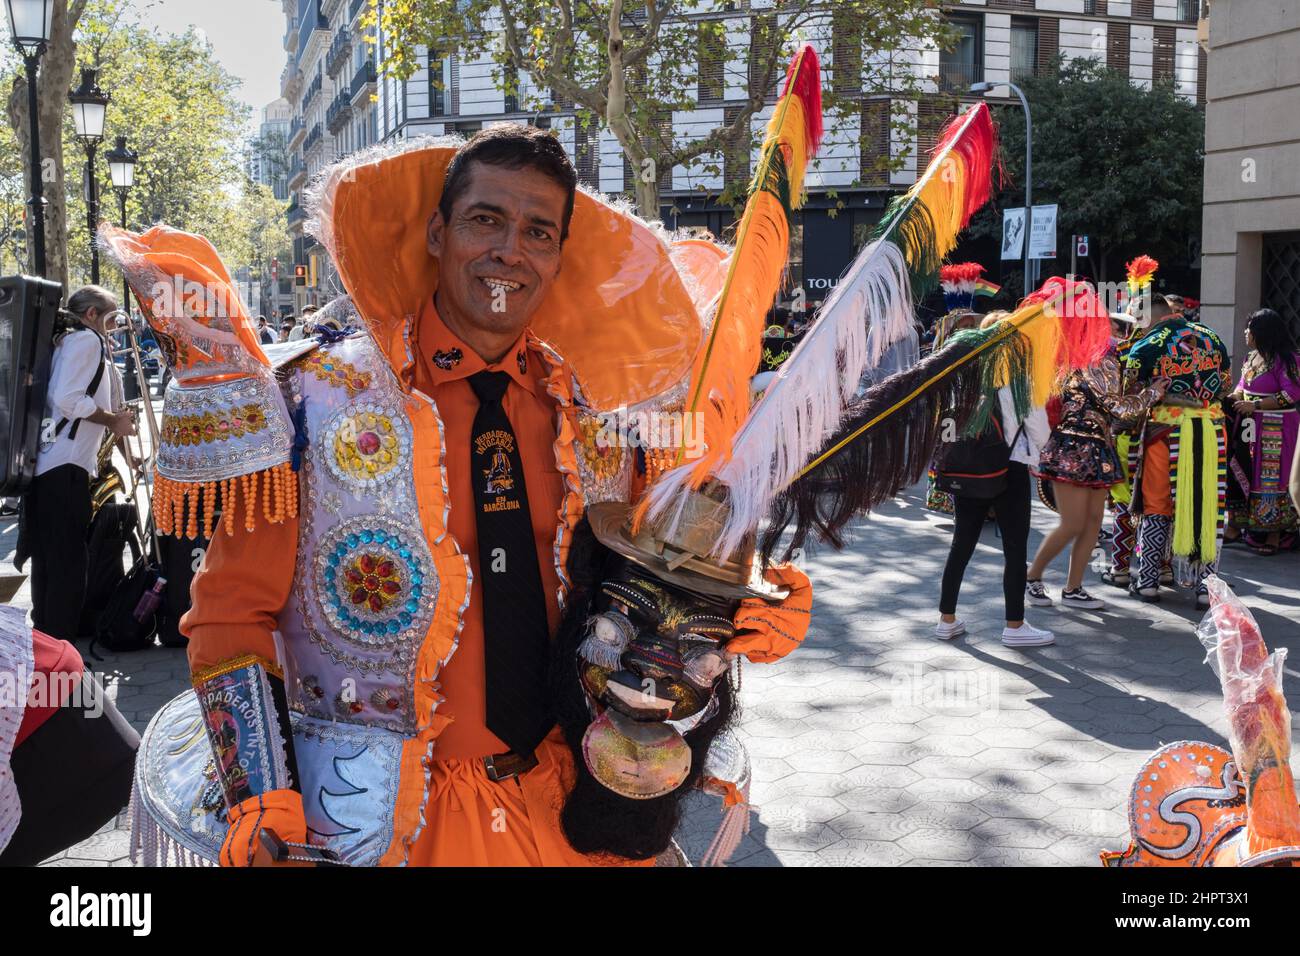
column 121, row 170
column 29, row 28
column 985, row 87
column 88, row 105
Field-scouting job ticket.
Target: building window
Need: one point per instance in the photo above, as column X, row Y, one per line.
column 437, row 86
column 586, row 152
column 963, row 64
column 1117, row 44
column 735, row 161
column 1189, row 11
column 1024, row 49
column 764, row 58
column 873, row 146
column 1162, row 54
column 511, row 90
column 846, row 54
column 1144, row 9
column 712, row 52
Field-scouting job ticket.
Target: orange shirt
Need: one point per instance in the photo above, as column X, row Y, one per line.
column 246, row 579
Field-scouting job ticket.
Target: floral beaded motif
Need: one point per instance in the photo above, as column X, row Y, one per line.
column 374, row 582
column 213, row 426
column 336, row 372
column 364, row 444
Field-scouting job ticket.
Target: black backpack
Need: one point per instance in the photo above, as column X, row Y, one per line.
column 117, row 630
column 976, row 467
column 112, row 531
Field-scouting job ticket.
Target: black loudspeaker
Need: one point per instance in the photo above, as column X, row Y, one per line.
column 28, row 307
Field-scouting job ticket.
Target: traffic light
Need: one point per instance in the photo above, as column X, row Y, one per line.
column 299, row 275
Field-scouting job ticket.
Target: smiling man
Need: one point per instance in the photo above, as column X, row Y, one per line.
column 372, row 660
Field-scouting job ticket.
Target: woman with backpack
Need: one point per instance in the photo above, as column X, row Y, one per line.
column 1008, row 448
column 84, row 398
column 1081, row 462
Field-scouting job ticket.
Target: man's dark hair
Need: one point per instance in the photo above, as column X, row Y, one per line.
column 512, row 146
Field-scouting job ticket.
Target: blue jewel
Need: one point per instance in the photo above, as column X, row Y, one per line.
column 328, row 368
column 405, row 619
column 367, row 536
column 332, row 560
column 412, row 606
column 417, row 578
column 393, row 627
column 405, row 553
column 352, row 541
column 416, row 591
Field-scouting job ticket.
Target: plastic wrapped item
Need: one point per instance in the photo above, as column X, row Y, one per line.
column 1259, row 723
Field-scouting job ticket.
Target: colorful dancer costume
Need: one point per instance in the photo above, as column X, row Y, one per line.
column 340, row 637
column 1178, row 489
column 1081, row 450
column 1265, row 505
column 1123, row 537
column 1196, row 804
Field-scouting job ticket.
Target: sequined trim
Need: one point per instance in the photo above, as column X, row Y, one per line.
column 365, row 445
column 336, row 372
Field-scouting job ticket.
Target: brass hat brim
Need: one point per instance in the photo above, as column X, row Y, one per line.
column 610, row 522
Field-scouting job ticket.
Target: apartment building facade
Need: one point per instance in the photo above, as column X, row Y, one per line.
column 329, row 80
column 1251, row 233
column 848, row 189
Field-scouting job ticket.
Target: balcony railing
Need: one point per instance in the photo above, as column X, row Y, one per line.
column 362, row 78
column 339, row 53
column 957, row 77
column 311, row 92
column 312, row 139
column 296, row 168
column 336, row 116
column 296, row 128
column 295, row 213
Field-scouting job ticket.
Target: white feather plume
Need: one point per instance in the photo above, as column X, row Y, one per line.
column 870, row 309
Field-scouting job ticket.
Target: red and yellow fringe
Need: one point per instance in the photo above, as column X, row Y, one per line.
column 183, row 508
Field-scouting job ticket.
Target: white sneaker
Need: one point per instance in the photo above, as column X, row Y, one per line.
column 1081, row 598
column 1026, row 635
column 946, row 631
column 1036, row 594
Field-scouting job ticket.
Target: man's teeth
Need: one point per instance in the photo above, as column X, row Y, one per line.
column 502, row 284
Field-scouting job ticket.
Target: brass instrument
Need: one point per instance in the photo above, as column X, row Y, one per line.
column 140, row 489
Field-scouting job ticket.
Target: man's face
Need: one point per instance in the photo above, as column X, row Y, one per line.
column 500, row 251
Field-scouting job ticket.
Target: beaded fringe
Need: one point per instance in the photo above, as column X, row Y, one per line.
column 184, row 508
column 735, row 824
column 151, row 845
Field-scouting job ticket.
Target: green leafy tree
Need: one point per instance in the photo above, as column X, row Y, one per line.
column 176, row 105
column 625, row 66
column 1123, row 164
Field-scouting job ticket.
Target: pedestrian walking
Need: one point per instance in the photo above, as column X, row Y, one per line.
column 1081, row 462
column 1010, row 446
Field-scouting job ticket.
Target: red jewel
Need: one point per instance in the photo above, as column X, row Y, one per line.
column 367, row 443
column 385, row 569
column 367, row 563
column 355, row 707
column 376, row 603
column 359, row 596
column 392, row 703
column 371, row 583
column 352, row 576
column 391, row 588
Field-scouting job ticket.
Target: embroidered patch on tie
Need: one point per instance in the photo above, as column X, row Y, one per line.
column 447, row 360
column 498, row 476
column 523, row 362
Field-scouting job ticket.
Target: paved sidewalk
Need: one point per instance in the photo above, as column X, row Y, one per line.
column 876, row 744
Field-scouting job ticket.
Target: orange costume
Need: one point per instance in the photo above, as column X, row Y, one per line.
column 342, row 608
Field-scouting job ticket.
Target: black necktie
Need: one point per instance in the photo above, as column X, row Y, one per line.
column 515, row 633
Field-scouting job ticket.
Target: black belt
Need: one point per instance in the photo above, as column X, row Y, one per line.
column 507, row 765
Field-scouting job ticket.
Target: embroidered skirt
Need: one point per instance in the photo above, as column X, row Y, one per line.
column 1079, row 460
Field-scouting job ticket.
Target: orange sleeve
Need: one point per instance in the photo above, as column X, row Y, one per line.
column 238, row 592
column 766, row 632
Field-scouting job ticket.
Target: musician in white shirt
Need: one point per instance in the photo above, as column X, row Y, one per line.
column 83, row 401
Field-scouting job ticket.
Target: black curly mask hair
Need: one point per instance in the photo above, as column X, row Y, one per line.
column 595, row 819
